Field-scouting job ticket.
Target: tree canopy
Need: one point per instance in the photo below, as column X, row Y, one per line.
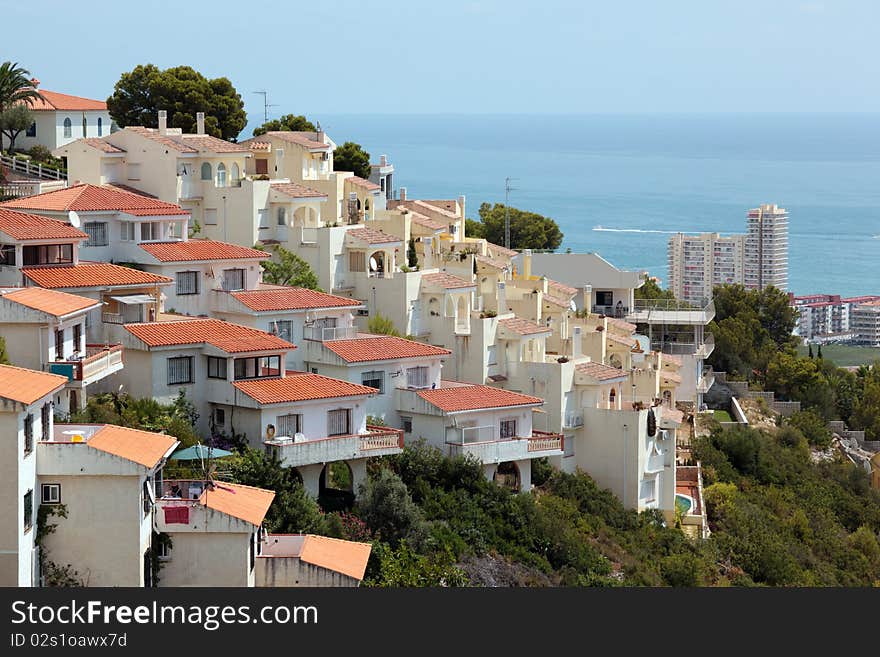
column 288, row 122
column 16, row 86
column 352, row 157
column 13, row 121
column 181, row 91
column 651, row 290
column 528, row 230
column 289, row 269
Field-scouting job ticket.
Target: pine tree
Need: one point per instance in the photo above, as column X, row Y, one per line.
column 412, row 258
column 820, row 352
column 811, row 351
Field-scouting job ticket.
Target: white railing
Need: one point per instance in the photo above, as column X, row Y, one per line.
column 477, row 434
column 37, row 170
column 102, row 361
column 112, row 318
column 324, row 333
column 542, row 441
column 381, row 438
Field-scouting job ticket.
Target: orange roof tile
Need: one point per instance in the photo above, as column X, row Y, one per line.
column 425, row 221
column 307, row 139
column 143, row 447
column 599, row 371
column 27, row 386
column 495, row 250
column 670, row 376
column 523, row 326
column 50, row 302
column 497, row 264
column 92, row 274
column 94, row 198
column 373, row 236
column 193, row 250
column 557, row 301
column 53, row 100
column 100, row 144
column 295, row 190
column 561, row 288
column 357, row 181
column 231, row 338
column 622, row 324
column 300, row 386
column 190, row 143
column 447, row 281
column 622, row 339
column 472, row 397
column 671, row 414
column 24, row 226
column 290, row 298
column 346, row 557
column 416, row 205
column 366, row 348
column 258, row 145
column 243, row 502
column 675, row 360
column 444, row 204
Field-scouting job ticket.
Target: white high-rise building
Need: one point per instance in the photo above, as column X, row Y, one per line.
column 697, row 263
column 766, row 248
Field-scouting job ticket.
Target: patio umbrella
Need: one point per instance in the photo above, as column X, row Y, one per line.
column 197, row 453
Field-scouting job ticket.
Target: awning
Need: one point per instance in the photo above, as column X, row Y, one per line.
column 135, row 299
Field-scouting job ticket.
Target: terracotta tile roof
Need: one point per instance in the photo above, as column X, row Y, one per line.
column 24, row 226
column 307, row 139
column 622, row 324
column 243, row 502
column 346, row 557
column 141, row 447
column 295, row 190
column 557, row 301
column 94, row 198
column 497, row 264
column 291, row 298
column 300, row 386
column 258, row 145
column 357, row 181
column 671, row 358
column 167, row 140
column 448, row 205
column 27, row 386
column 622, row 339
column 599, row 371
column 189, row 143
column 192, row 250
column 474, row 397
column 231, row 338
column 446, row 281
column 523, row 326
column 53, row 100
column 561, row 288
column 100, row 144
column 373, row 236
column 423, row 206
column 92, row 274
column 671, row 414
column 670, row 376
column 50, row 302
column 426, row 222
column 381, row 347
column 496, row 250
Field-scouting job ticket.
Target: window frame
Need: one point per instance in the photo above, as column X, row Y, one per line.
column 374, row 375
column 44, row 499
column 180, row 359
column 253, row 363
column 188, row 273
column 225, row 284
column 418, row 369
column 206, row 171
column 99, row 227
column 31, row 130
column 331, row 420
column 28, row 427
column 68, row 128
column 220, row 367
column 28, row 503
column 504, row 428
column 285, row 421
column 46, row 421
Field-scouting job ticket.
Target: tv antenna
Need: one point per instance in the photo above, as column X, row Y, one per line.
column 266, row 104
column 507, row 190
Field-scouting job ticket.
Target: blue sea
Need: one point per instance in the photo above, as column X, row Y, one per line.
column 620, row 185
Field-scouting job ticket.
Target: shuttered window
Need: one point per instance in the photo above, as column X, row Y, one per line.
column 357, row 261
column 417, row 377
column 187, row 282
column 45, row 419
column 374, row 379
column 233, row 279
column 97, row 232
column 289, row 425
column 338, row 422
column 180, row 370
column 508, row 428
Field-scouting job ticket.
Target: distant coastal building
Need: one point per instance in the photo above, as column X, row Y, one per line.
column 697, row 263
column 828, row 317
column 866, row 323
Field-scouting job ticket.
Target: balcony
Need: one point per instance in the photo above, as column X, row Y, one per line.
column 100, row 361
column 325, row 333
column 573, row 420
column 671, row 311
column 689, row 348
column 376, row 441
column 706, row 381
column 538, row 445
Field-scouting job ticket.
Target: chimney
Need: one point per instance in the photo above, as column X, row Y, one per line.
column 502, row 298
column 383, row 161
column 577, row 349
column 403, row 193
column 461, row 206
column 527, row 264
column 588, row 298
column 163, row 122
column 200, row 123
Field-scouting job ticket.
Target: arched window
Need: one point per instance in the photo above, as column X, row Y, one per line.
column 612, row 395
column 100, row 127
column 236, row 173
column 206, row 171
column 221, row 175
column 68, row 127
column 282, row 216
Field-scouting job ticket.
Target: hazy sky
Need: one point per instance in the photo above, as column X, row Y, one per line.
column 480, row 56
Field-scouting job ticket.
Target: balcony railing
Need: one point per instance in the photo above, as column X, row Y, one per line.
column 541, row 441
column 706, row 381
column 573, row 420
column 376, row 441
column 100, row 359
column 672, row 311
column 112, row 318
column 510, row 449
column 324, row 333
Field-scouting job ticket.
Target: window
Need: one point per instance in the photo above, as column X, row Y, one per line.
column 150, row 231
column 374, row 379
column 127, row 231
column 407, row 423
column 7, row 254
column 221, row 175
column 233, row 279
column 255, row 368
column 417, row 377
column 149, row 496
column 604, row 298
column 263, row 216
column 281, row 328
column 100, row 126
column 236, row 173
column 216, row 367
column 289, row 425
column 357, row 261
column 508, row 428
column 282, row 216
column 338, row 422
column 175, row 230
column 252, row 550
column 180, row 370
column 46, row 420
column 28, row 510
column 493, row 355
column 210, row 216
column 134, row 171
column 50, row 494
column 68, row 127
column 187, row 282
column 29, row 434
column 261, row 167
column 85, row 125
column 47, row 254
column 77, row 338
column 97, row 232
column 219, row 417
column 59, row 344
column 206, row 171
column 32, row 130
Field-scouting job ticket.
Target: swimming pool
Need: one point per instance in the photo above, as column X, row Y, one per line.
column 684, row 503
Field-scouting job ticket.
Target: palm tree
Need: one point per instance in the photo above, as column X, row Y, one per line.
column 16, row 86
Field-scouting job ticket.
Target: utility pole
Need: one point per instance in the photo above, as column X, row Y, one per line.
column 266, row 105
column 507, row 190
